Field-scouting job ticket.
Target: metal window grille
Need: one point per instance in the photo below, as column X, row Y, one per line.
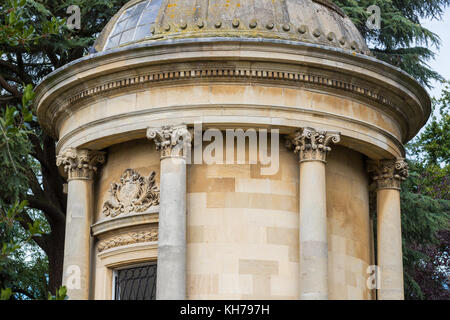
column 137, row 283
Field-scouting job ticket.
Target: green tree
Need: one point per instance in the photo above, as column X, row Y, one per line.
column 401, row 41
column 23, row 267
column 426, row 208
column 34, row 41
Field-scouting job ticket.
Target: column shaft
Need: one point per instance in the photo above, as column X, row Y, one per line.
column 390, row 258
column 313, row 232
column 313, row 147
column 77, row 245
column 171, row 272
column 174, row 144
column 388, row 175
column 81, row 166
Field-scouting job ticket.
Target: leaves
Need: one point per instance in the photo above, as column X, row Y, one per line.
column 14, row 149
column 426, row 209
column 61, row 294
column 5, row 294
column 402, row 41
column 16, row 29
column 34, row 40
column 15, row 274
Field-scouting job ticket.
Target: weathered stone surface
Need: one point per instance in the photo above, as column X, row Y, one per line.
column 134, row 193
column 313, row 21
column 227, row 231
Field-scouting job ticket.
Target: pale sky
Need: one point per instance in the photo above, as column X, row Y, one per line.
column 442, row 62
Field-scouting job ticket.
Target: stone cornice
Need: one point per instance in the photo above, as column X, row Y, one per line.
column 388, row 174
column 80, row 164
column 411, row 101
column 312, row 144
column 113, row 225
column 172, row 141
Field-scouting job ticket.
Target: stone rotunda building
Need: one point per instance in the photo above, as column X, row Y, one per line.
column 149, row 218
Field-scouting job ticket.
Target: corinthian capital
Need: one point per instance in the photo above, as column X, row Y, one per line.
column 171, row 141
column 313, row 145
column 80, row 164
column 389, row 174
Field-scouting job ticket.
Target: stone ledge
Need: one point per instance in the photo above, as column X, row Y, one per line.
column 121, row 222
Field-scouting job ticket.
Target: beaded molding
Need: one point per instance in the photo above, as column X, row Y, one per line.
column 160, row 76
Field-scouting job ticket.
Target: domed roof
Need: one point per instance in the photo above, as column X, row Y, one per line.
column 312, row 21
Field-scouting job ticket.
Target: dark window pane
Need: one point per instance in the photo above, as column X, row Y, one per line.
column 136, row 283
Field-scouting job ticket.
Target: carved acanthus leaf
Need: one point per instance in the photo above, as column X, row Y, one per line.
column 313, row 145
column 389, row 174
column 171, row 141
column 134, row 193
column 80, row 163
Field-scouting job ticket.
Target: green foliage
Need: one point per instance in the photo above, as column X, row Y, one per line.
column 5, row 294
column 431, row 151
column 423, row 218
column 16, row 29
column 426, row 208
column 15, row 148
column 34, row 40
column 433, row 144
column 402, row 41
column 17, row 275
column 61, row 294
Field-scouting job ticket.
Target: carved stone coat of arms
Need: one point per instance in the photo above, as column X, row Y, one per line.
column 134, row 193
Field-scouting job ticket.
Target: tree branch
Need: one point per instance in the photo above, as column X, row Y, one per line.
column 24, row 292
column 54, row 214
column 25, row 221
column 52, row 176
column 38, row 152
column 11, row 89
column 34, row 183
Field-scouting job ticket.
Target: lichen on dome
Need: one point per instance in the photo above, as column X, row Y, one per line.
column 311, row 21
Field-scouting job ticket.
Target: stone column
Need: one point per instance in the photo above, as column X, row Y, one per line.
column 313, row 147
column 388, row 175
column 80, row 166
column 173, row 142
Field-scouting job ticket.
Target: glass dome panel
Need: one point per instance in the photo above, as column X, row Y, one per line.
column 134, row 24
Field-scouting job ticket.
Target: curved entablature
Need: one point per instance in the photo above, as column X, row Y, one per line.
column 310, row 21
column 358, row 89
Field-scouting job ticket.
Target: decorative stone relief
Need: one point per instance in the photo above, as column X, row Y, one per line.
column 134, row 193
column 389, row 174
column 129, row 238
column 171, row 141
column 313, row 145
column 80, row 163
